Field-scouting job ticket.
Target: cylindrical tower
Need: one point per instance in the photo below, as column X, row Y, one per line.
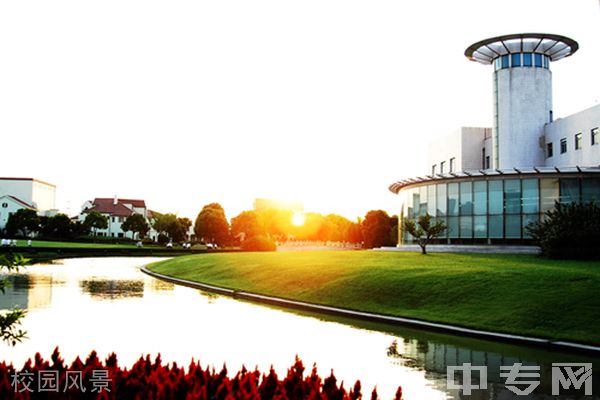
column 522, row 93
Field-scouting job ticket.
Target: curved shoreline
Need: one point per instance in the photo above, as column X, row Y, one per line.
column 387, row 319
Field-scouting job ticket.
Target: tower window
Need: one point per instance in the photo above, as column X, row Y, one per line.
column 527, row 59
column 549, row 150
column 595, row 136
column 578, row 141
column 563, row 145
column 505, row 61
column 515, row 60
column 538, row 60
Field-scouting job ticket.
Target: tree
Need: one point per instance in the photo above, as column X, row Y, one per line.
column 183, row 227
column 136, row 223
column 570, row 230
column 11, row 319
column 57, row 227
column 211, row 224
column 24, row 220
column 246, row 225
column 168, row 225
column 424, row 230
column 376, row 229
column 94, row 221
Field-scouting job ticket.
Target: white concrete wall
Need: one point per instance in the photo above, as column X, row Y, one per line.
column 568, row 127
column 22, row 189
column 523, row 105
column 44, row 196
column 7, row 207
column 464, row 145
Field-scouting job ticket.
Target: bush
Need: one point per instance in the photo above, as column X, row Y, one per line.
column 570, row 230
column 259, row 243
column 148, row 379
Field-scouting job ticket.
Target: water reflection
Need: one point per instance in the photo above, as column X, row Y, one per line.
column 112, row 289
column 108, row 305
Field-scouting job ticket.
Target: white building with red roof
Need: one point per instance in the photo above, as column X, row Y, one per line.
column 116, row 210
column 30, row 193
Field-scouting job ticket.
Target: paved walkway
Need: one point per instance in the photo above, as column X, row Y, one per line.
column 466, row 248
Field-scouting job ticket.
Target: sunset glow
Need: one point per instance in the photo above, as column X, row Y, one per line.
column 298, row 219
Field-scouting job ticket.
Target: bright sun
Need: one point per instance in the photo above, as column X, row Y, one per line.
column 298, row 219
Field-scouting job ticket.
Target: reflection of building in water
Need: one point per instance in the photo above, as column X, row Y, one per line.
column 113, row 288
column 27, row 291
column 435, row 357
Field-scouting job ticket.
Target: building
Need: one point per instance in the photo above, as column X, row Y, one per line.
column 29, row 193
column 116, row 210
column 488, row 184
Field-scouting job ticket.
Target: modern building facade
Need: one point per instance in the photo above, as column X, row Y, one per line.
column 488, row 184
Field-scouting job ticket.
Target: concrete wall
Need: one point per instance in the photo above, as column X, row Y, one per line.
column 583, row 122
column 21, row 189
column 43, row 196
column 465, row 145
column 39, row 194
column 523, row 104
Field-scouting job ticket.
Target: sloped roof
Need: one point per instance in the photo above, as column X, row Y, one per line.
column 133, row 202
column 107, row 206
column 19, row 201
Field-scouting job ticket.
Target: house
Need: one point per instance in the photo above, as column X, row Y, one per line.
column 117, row 210
column 26, row 193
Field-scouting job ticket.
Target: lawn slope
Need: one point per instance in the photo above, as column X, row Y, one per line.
column 519, row 294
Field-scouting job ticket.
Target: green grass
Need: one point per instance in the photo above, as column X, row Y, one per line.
column 519, row 294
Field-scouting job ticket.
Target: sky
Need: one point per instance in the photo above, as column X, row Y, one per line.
column 185, row 103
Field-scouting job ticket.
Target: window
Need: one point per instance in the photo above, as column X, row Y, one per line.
column 527, row 59
column 578, row 141
column 515, row 60
column 487, row 162
column 505, row 61
column 563, row 145
column 433, row 169
column 549, row 150
column 538, row 59
column 452, row 164
column 442, row 167
column 595, row 137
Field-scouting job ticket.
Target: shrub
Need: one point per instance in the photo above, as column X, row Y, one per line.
column 570, row 230
column 154, row 380
column 259, row 243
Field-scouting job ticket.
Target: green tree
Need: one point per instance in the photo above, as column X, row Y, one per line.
column 59, row 226
column 9, row 320
column 570, row 230
column 246, row 225
column 168, row 225
column 211, row 224
column 424, row 230
column 136, row 223
column 183, row 227
column 94, row 221
column 24, row 220
column 376, row 229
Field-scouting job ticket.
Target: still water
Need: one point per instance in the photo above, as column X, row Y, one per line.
column 108, row 305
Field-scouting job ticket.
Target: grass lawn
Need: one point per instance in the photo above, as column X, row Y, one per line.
column 520, row 294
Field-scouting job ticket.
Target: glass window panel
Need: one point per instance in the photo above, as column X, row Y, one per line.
column 590, row 190
column 423, row 200
column 513, row 226
column 443, row 219
column 409, row 203
column 453, row 199
column 528, row 219
column 466, row 198
column 512, row 196
column 441, row 200
column 531, row 196
column 505, row 61
column 480, row 226
column 480, row 197
column 515, row 60
column 527, row 59
column 595, row 136
column 431, row 200
column 496, row 198
column 538, row 60
column 569, row 190
column 466, row 227
column 496, row 226
column 549, row 193
column 453, row 227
